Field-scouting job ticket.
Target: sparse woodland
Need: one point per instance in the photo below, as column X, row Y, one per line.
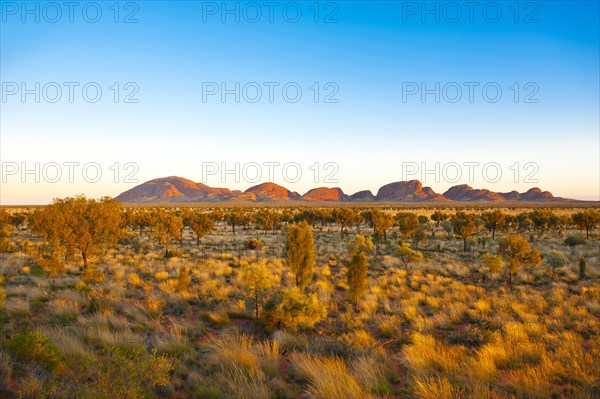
column 103, row 301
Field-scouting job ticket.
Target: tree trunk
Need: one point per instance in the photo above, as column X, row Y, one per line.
column 256, row 302
column 464, row 245
column 85, row 259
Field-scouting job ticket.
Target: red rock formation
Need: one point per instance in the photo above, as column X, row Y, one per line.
column 271, row 192
column 325, row 194
column 177, row 189
column 363, row 196
column 405, row 191
column 170, row 187
column 464, row 192
column 535, row 194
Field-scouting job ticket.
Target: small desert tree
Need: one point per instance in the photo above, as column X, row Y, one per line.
column 555, row 259
column 522, row 222
column 140, row 219
column 464, row 226
column 517, row 253
column 236, row 217
column 408, row 255
column 361, row 244
column 201, row 224
column 257, row 279
column 300, row 250
column 310, row 216
column 268, row 219
column 439, row 216
column 408, row 223
column 184, row 279
column 88, row 225
column 217, row 216
column 543, row 219
column 493, row 221
column 344, row 217
column 381, row 223
column 419, row 237
column 54, row 266
column 587, row 220
column 168, row 227
column 358, row 267
column 357, row 277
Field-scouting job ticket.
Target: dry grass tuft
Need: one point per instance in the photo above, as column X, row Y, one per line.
column 327, row 377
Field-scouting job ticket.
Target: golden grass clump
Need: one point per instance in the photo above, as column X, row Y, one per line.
column 161, row 275
column 238, row 382
column 237, row 350
column 427, row 356
column 437, row 387
column 326, row 377
column 372, row 371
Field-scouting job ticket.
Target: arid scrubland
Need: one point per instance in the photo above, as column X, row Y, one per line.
column 391, row 303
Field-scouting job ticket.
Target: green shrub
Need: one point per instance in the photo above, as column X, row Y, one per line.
column 122, row 374
column 38, row 303
column 173, row 254
column 6, row 246
column 32, row 346
column 582, row 267
column 2, row 293
column 573, row 241
column 253, row 244
column 293, row 309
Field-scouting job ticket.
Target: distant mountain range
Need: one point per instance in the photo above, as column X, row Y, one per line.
column 179, row 190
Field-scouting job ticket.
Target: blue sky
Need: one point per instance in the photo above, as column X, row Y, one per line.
column 370, row 53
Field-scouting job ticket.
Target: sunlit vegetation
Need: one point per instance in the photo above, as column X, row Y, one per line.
column 101, row 301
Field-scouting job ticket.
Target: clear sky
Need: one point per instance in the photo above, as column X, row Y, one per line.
column 369, row 62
